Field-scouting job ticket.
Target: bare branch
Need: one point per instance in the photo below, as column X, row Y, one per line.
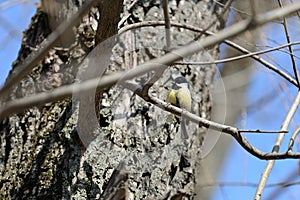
column 222, row 184
column 230, row 43
column 262, row 131
column 232, row 8
column 253, row 9
column 276, row 147
column 5, row 5
column 225, row 129
column 33, row 59
column 238, row 57
column 290, row 48
column 167, row 23
column 293, row 138
column 155, row 64
column 133, row 4
column 236, row 133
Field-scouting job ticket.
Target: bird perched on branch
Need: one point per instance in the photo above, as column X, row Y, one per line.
column 180, row 96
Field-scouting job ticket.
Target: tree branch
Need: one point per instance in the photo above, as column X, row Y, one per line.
column 235, row 58
column 228, row 42
column 33, row 59
column 276, row 147
column 293, row 138
column 290, row 48
column 167, row 23
column 153, row 65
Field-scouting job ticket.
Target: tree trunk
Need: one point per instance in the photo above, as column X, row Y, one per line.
column 113, row 144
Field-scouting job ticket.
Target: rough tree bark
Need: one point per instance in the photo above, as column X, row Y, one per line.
column 130, row 151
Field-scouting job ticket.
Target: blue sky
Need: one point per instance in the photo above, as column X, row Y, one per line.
column 239, row 166
column 14, row 18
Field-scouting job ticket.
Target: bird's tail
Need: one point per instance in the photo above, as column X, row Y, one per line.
column 184, row 128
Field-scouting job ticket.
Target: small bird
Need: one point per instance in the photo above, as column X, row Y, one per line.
column 180, row 96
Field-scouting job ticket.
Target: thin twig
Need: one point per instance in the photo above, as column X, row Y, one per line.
column 286, row 181
column 230, row 43
column 233, row 184
column 167, row 23
column 7, row 4
column 232, row 8
column 250, row 55
column 107, row 81
column 293, row 138
column 262, row 131
column 237, row 57
column 276, row 147
column 133, row 4
column 158, row 73
column 225, row 129
column 290, row 48
column 253, row 8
